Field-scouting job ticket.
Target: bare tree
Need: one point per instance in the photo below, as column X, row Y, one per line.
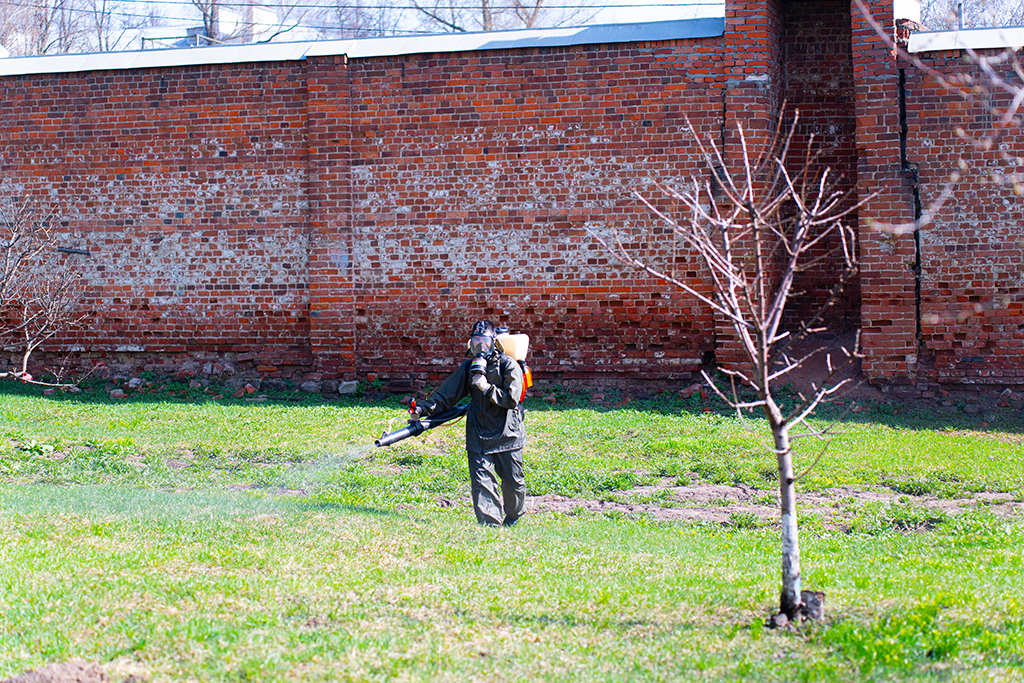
column 755, row 230
column 453, row 16
column 937, row 15
column 40, row 291
column 342, row 19
column 210, row 12
column 101, row 21
column 457, row 16
column 112, row 24
column 251, row 22
column 28, row 27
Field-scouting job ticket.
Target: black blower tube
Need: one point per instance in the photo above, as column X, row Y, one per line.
column 417, row 427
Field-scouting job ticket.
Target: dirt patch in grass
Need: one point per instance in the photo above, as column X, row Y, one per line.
column 68, row 672
column 744, row 506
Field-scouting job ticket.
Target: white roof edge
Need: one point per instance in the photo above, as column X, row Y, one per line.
column 973, row 39
column 366, row 47
column 147, row 59
column 513, row 40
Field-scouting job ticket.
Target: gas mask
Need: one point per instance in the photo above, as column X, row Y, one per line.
column 481, row 345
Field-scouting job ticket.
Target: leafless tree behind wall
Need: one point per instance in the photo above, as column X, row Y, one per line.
column 457, row 16
column 340, row 19
column 42, row 27
column 255, row 22
column 939, row 15
column 38, row 27
column 34, row 27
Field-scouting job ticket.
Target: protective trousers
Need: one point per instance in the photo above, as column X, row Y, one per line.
column 489, row 505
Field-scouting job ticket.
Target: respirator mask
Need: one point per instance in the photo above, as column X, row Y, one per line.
column 480, row 346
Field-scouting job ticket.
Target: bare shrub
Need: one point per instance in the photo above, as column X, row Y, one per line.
column 41, row 290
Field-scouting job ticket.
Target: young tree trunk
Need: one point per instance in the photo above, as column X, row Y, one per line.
column 790, row 599
column 24, row 358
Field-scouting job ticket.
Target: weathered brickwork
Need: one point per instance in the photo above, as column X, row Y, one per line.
column 476, row 180
column 188, row 189
column 752, row 97
column 334, row 217
column 888, row 322
column 972, row 255
column 332, row 265
column 818, row 84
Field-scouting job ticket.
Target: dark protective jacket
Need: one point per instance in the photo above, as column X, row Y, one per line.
column 494, row 423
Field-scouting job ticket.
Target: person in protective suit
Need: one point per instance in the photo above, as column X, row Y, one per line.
column 495, row 434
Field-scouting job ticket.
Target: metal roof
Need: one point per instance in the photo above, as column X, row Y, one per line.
column 973, row 39
column 367, row 47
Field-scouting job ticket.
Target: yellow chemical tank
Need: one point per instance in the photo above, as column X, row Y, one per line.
column 514, row 345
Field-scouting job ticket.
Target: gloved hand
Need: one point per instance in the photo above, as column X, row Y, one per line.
column 478, row 366
column 415, row 411
column 481, row 383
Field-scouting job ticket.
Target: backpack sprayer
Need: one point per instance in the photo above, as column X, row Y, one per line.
column 514, row 345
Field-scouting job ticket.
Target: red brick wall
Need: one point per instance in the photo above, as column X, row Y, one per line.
column 475, row 180
column 330, row 218
column 972, row 256
column 332, row 284
column 818, row 78
column 888, row 308
column 753, row 87
column 188, row 188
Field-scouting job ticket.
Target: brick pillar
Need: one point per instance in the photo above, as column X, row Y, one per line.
column 752, row 97
column 888, row 297
column 331, row 299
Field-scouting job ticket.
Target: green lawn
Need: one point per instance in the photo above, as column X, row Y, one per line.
column 182, row 540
